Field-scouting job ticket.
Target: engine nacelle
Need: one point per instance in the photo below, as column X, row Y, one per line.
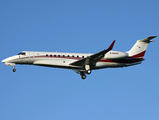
column 115, row 55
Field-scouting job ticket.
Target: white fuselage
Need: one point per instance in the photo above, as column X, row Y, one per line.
column 83, row 63
column 63, row 60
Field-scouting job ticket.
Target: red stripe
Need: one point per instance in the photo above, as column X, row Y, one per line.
column 140, row 55
column 126, row 60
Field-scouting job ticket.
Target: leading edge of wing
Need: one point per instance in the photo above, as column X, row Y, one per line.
column 93, row 58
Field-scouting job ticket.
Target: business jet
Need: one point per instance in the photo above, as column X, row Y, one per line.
column 83, row 63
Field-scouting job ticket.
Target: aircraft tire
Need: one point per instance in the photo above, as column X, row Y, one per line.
column 14, row 70
column 83, row 76
column 89, row 72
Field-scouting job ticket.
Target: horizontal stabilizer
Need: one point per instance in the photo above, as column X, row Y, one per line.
column 148, row 40
column 140, row 47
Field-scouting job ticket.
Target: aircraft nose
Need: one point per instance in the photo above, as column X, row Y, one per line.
column 6, row 60
column 3, row 61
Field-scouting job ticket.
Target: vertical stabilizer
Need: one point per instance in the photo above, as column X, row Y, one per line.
column 139, row 49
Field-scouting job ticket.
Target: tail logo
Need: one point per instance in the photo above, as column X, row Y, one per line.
column 138, row 46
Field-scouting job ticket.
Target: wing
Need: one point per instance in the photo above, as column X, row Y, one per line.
column 93, row 59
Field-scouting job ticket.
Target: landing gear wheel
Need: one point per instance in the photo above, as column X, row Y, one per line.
column 89, row 72
column 83, row 76
column 14, row 70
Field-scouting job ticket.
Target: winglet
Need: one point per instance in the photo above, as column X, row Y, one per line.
column 111, row 46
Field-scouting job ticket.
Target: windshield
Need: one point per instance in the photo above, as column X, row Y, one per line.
column 21, row 53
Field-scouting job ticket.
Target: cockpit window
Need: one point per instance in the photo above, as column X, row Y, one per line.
column 21, row 53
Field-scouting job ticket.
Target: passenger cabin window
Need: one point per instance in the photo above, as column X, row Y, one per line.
column 72, row 55
column 50, row 55
column 82, row 56
column 54, row 55
column 58, row 55
column 22, row 53
column 47, row 55
column 77, row 56
column 68, row 56
column 63, row 55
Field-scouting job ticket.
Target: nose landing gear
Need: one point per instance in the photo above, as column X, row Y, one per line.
column 14, row 68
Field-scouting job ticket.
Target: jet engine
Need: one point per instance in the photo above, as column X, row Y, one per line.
column 115, row 55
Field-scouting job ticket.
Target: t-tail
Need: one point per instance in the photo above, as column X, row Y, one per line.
column 139, row 49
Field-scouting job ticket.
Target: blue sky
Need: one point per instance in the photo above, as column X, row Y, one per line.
column 83, row 26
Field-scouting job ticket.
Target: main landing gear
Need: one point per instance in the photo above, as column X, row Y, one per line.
column 83, row 76
column 86, row 71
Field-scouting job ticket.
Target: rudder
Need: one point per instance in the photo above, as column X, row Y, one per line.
column 139, row 49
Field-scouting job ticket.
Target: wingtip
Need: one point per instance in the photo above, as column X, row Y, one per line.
column 111, row 46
